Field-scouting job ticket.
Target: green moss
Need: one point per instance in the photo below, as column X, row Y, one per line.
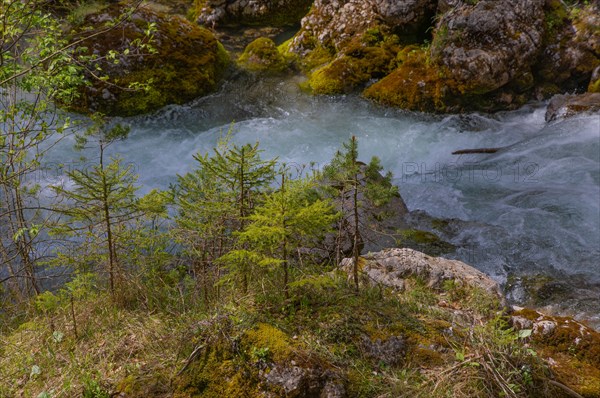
column 188, row 63
column 594, row 86
column 266, row 336
column 415, row 84
column 354, row 68
column 318, row 57
column 424, row 241
column 262, row 55
column 575, row 352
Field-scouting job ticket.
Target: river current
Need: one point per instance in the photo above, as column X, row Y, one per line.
column 529, row 212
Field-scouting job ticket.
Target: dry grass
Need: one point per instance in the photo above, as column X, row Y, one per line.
column 45, row 354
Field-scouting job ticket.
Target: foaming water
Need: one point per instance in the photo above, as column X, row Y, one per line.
column 532, row 208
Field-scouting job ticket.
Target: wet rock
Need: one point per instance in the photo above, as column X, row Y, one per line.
column 392, row 266
column 188, row 62
column 564, row 106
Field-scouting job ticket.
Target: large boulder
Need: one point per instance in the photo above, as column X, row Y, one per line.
column 570, row 50
column 484, row 46
column 392, row 267
column 483, row 55
column 495, row 55
column 250, row 12
column 186, row 62
column 334, row 23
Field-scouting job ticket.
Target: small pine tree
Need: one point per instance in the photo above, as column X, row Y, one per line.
column 216, row 198
column 343, row 172
column 355, row 186
column 97, row 207
column 287, row 220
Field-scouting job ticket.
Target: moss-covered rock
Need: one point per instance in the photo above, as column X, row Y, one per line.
column 262, row 55
column 415, row 84
column 187, row 63
column 424, row 241
column 486, row 45
column 484, row 55
column 571, row 348
column 335, row 24
column 570, row 48
column 363, row 60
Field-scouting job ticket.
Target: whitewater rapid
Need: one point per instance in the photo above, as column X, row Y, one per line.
column 531, row 209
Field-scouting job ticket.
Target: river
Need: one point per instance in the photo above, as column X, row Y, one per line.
column 530, row 212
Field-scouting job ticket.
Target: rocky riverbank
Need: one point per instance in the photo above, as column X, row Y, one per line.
column 426, row 55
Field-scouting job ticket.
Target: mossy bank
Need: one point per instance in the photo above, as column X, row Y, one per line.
column 158, row 59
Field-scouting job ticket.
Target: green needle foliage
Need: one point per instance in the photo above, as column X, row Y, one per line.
column 288, row 219
column 343, row 173
column 98, row 207
column 356, row 187
column 214, row 202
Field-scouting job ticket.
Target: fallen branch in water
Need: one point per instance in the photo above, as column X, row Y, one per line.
column 477, row 150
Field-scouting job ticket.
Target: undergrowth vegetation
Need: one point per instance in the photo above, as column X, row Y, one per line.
column 379, row 342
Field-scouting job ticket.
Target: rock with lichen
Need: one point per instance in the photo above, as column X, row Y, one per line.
column 345, row 44
column 250, row 12
column 334, row 23
column 486, row 55
column 484, row 46
column 183, row 62
column 391, row 267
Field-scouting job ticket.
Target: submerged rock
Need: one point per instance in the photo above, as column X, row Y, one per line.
column 187, row 62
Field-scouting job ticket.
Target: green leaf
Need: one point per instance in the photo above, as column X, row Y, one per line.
column 524, row 333
column 460, row 356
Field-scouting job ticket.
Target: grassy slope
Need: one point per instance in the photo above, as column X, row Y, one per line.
column 455, row 343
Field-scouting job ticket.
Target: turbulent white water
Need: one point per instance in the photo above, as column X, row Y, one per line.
column 533, row 208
